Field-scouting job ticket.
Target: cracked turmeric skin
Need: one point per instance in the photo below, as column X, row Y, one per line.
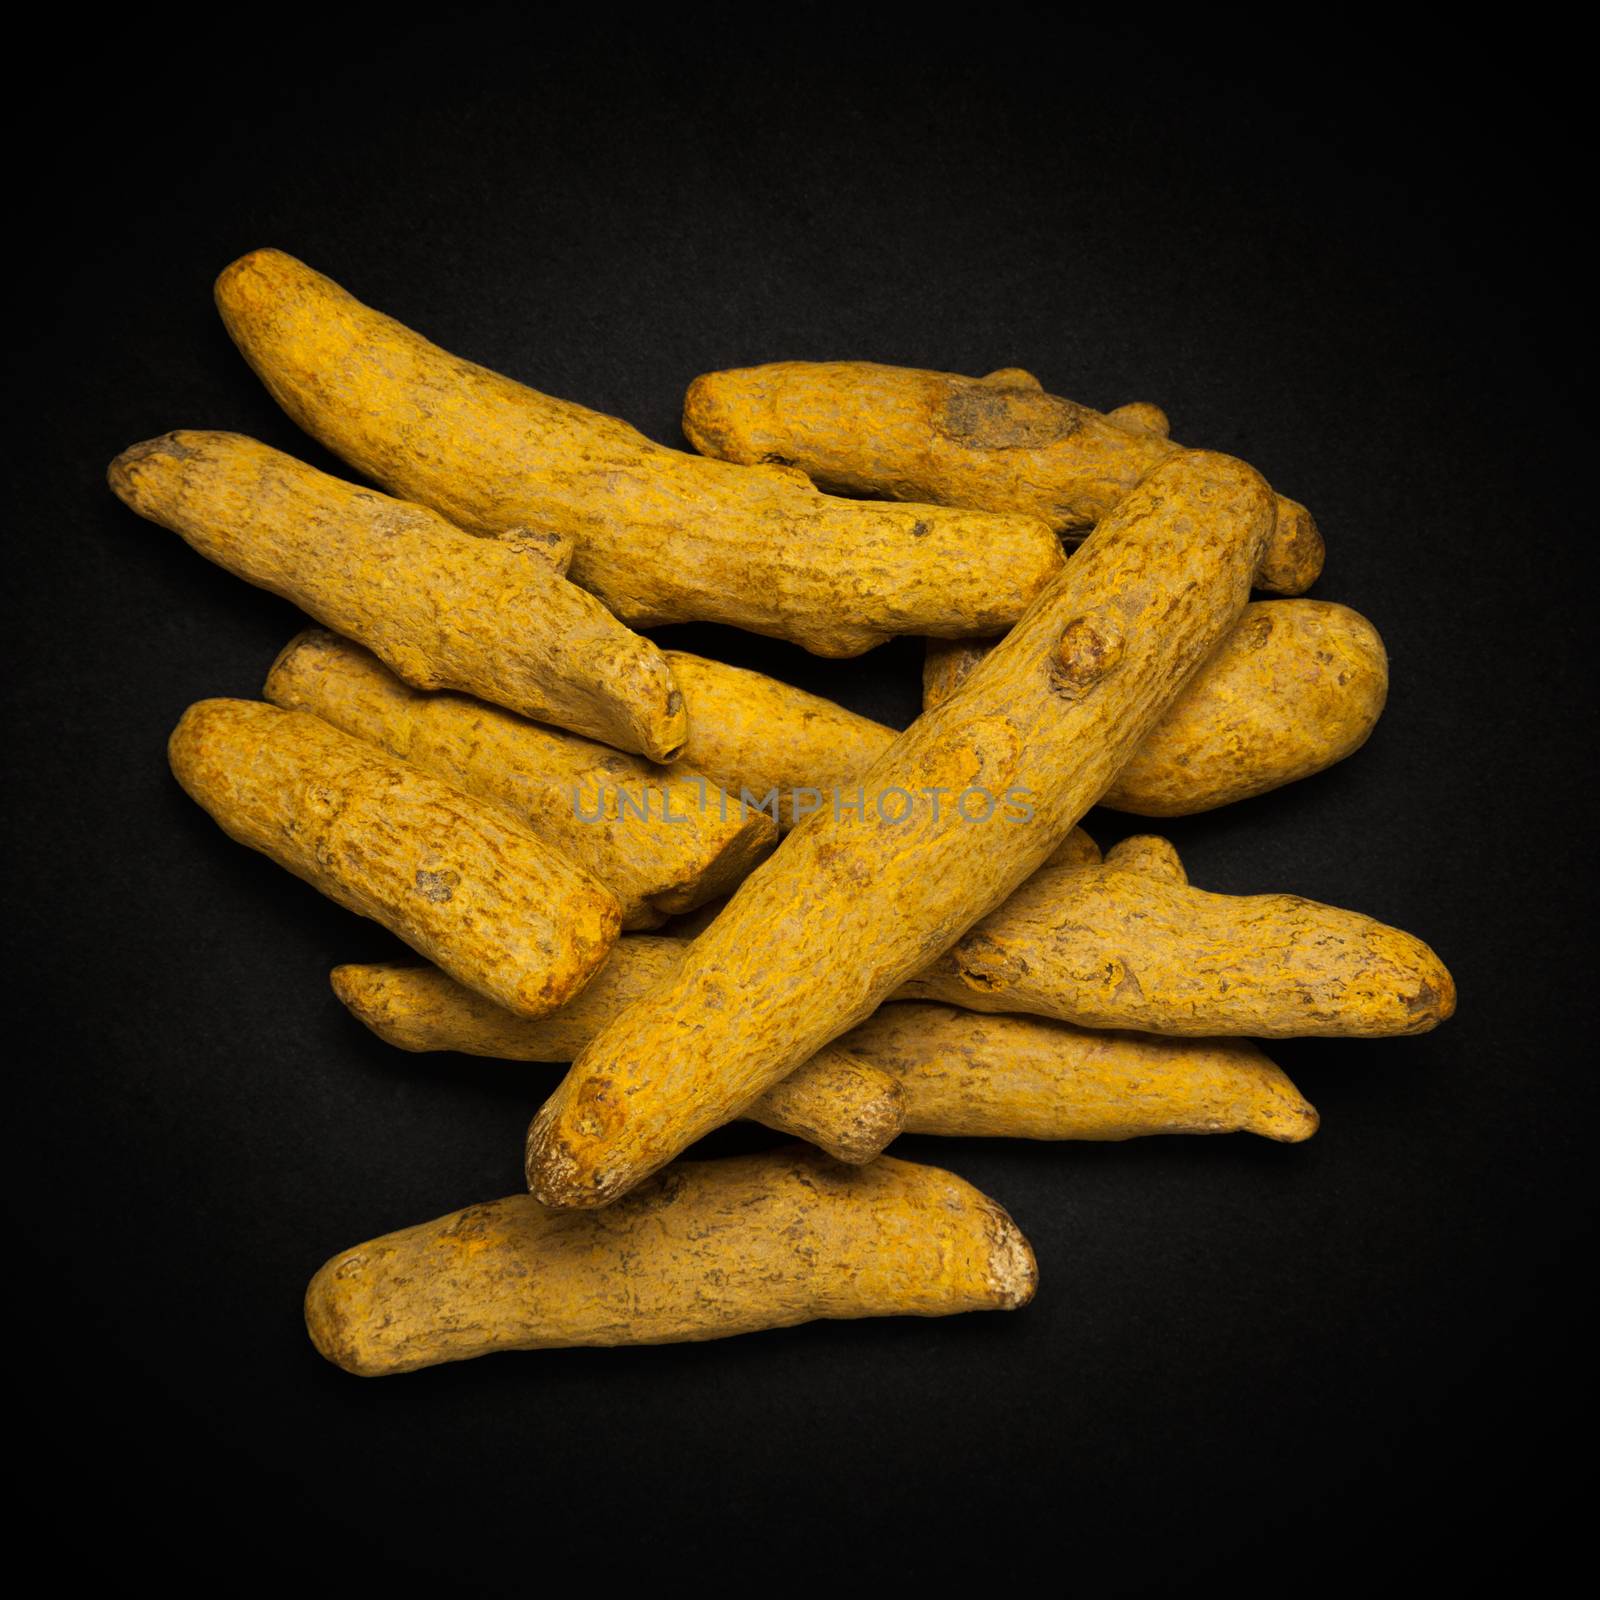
column 496, row 907
column 441, row 609
column 1298, row 686
column 659, row 535
column 605, row 810
column 706, row 1250
column 851, row 905
column 835, row 1101
column 1010, row 1077
column 1129, row 944
column 999, row 443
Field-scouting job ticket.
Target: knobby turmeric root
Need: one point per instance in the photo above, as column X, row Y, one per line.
column 659, row 535
column 999, row 443
column 1296, row 687
column 1032, row 1078
column 851, row 905
column 841, row 1104
column 926, row 1068
column 442, row 609
column 663, row 840
column 496, row 907
column 1129, row 944
column 707, row 1250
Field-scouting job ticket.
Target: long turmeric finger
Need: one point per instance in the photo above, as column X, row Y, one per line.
column 663, row 840
column 999, row 443
column 659, row 535
column 852, row 904
column 443, row 610
column 707, row 1250
column 846, row 1107
column 496, row 907
column 1129, row 944
column 1032, row 1078
column 1296, row 687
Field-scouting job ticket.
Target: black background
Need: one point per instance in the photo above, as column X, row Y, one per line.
column 1350, row 259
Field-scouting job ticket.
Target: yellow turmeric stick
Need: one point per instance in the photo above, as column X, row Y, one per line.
column 496, row 907
column 659, row 535
column 707, row 1250
column 663, row 839
column 999, row 443
column 1129, row 944
column 1365, row 979
column 442, row 610
column 847, row 1108
column 851, row 905
column 1033, row 1078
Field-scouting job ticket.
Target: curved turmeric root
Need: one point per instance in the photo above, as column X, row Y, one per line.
column 1000, row 443
column 1296, row 687
column 852, row 905
column 443, row 610
column 659, row 535
column 663, row 840
column 707, row 1250
column 1128, row 944
column 1032, row 1078
column 835, row 1101
column 493, row 905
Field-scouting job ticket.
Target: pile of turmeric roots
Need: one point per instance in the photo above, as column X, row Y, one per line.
column 718, row 896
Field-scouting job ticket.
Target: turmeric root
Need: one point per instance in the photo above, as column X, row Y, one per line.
column 708, row 1250
column 999, row 443
column 1128, row 944
column 496, row 907
column 1296, row 687
column 662, row 840
column 851, row 905
column 1032, row 1078
column 659, row 535
column 849, row 1109
column 441, row 609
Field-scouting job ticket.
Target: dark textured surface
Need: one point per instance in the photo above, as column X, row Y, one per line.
column 1343, row 1359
